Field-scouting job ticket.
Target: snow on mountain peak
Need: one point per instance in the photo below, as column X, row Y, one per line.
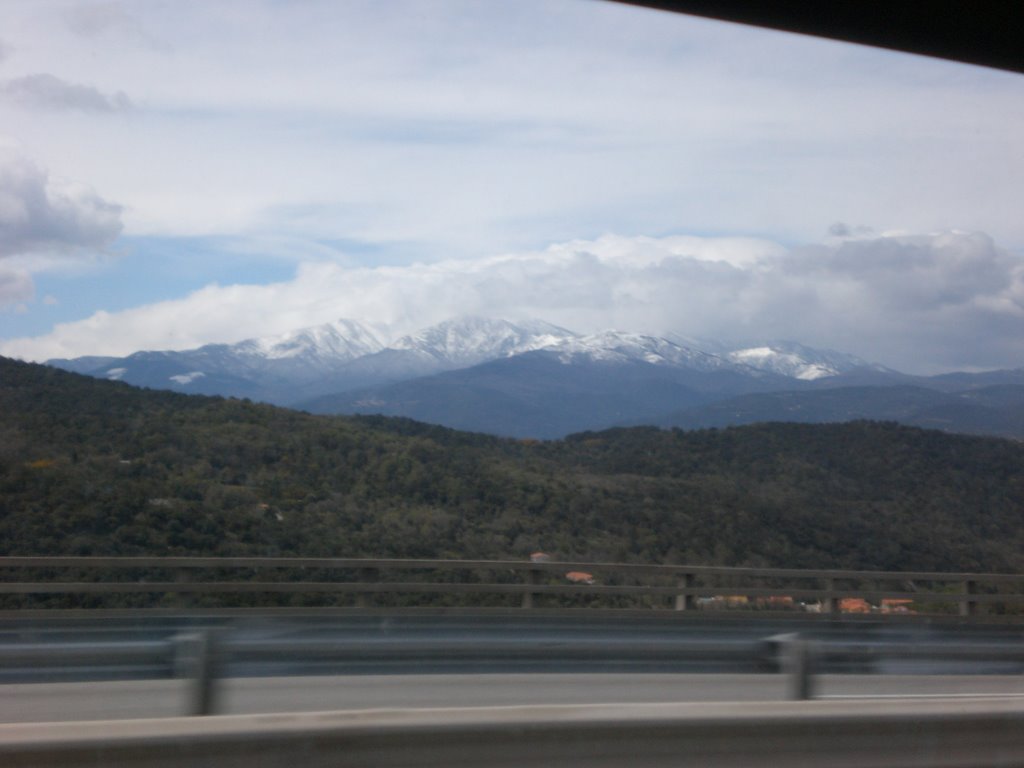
column 796, row 360
column 328, row 358
column 187, row 378
column 469, row 340
column 619, row 346
column 340, row 340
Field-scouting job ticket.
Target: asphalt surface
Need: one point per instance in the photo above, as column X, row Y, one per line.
column 113, row 700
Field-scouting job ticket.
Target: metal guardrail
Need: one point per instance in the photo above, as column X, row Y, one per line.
column 681, row 587
column 865, row 734
column 204, row 656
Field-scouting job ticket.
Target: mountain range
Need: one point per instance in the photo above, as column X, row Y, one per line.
column 532, row 379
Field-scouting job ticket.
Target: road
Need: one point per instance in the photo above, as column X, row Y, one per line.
column 43, row 702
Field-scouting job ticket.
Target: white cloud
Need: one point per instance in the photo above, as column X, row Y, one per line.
column 46, row 91
column 919, row 303
column 42, row 214
column 469, row 126
column 15, row 287
column 45, row 222
column 111, row 20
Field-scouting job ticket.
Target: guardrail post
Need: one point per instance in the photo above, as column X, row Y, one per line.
column 366, row 575
column 684, row 600
column 532, row 577
column 833, row 604
column 183, row 599
column 798, row 664
column 968, row 607
column 196, row 659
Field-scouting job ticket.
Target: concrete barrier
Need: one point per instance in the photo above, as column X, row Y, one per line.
column 867, row 734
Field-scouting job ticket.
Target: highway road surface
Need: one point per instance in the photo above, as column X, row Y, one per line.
column 103, row 700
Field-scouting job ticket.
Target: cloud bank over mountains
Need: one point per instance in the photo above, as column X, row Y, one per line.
column 177, row 174
column 922, row 303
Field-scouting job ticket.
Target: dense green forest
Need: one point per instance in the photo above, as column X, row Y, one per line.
column 96, row 467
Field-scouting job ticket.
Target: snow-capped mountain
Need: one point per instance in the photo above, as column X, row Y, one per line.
column 344, row 355
column 451, row 345
column 468, row 341
column 535, row 379
column 309, row 363
column 262, row 368
column 324, row 345
column 797, row 361
column 618, row 346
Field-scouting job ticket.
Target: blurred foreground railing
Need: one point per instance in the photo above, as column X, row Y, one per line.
column 867, row 734
column 225, row 581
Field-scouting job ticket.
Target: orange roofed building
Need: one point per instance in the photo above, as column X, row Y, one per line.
column 580, row 577
column 854, row 605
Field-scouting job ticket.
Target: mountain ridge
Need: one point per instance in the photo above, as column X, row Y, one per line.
column 346, row 348
column 535, row 379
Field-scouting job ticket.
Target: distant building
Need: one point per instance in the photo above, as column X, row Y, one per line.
column 897, row 605
column 854, row 605
column 580, row 577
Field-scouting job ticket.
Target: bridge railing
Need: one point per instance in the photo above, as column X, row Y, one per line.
column 360, row 581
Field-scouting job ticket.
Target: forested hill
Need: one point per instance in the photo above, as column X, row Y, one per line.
column 97, row 467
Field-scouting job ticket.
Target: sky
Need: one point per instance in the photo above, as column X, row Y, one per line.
column 180, row 173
